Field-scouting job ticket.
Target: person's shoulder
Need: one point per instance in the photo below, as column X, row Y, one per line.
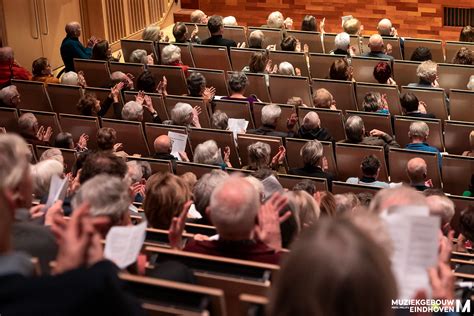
column 352, row 180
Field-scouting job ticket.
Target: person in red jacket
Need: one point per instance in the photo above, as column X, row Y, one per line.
column 9, row 68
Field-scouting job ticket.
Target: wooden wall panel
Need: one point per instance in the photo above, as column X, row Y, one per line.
column 412, row 18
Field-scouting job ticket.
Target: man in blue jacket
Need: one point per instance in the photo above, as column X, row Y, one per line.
column 418, row 133
column 72, row 48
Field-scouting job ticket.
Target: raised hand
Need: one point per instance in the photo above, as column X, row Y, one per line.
column 208, row 93
column 83, row 139
column 306, row 48
column 288, row 23
column 321, row 26
column 195, row 31
column 161, row 87
column 177, row 227
column 148, row 104
column 183, row 155
column 298, row 71
column 140, row 97
column 118, row 147
column 442, row 282
column 196, row 112
column 81, row 80
column 40, row 133
column 298, row 46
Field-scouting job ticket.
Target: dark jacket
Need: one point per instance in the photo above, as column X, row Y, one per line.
column 167, row 157
column 378, row 55
column 270, row 131
column 421, row 115
column 218, row 40
column 312, row 171
column 319, row 133
column 386, row 141
column 72, row 48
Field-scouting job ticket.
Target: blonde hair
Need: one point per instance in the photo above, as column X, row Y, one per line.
column 309, row 211
column 352, row 26
column 151, row 33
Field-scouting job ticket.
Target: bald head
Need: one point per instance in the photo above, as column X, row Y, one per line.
column 384, row 27
column 73, row 29
column 417, row 170
column 162, row 144
column 376, row 43
column 386, row 198
column 6, row 53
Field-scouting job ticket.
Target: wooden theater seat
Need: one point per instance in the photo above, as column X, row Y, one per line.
column 284, row 87
column 96, row 72
column 452, row 47
column 342, row 91
column 288, row 181
column 293, row 147
column 270, row 36
column 339, row 187
column 129, row 45
column 390, row 91
column 454, row 76
column 364, row 68
column 78, row 125
column 9, row 119
column 312, row 39
column 461, row 105
column 152, row 131
column 130, row 134
column 435, row 46
column 46, row 119
column 171, row 100
column 297, row 59
column 402, row 124
column 235, row 33
column 127, row 68
column 64, row 98
column 245, row 140
column 456, row 136
column 69, row 156
column 186, row 56
column 321, row 63
column 457, row 172
column 157, row 165
column 157, row 101
column 240, row 57
column 350, row 156
column 382, row 122
column 211, row 57
column 214, row 78
column 404, row 72
column 235, row 109
column 198, row 169
column 33, row 95
column 330, row 120
column 286, row 111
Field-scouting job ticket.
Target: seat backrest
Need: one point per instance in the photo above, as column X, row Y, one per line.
column 157, row 101
column 457, row 172
column 297, row 59
column 456, row 136
column 245, row 140
column 207, row 230
column 101, row 95
column 312, row 39
column 452, row 47
column 293, row 147
column 434, row 98
column 157, row 165
column 284, row 87
column 198, row 169
column 404, row 72
column 203, row 30
column 130, row 134
column 236, row 33
column 394, row 41
column 127, row 68
column 401, row 125
column 319, row 64
column 286, row 111
column 171, row 100
column 340, row 187
column 33, row 95
column 78, row 125
column 390, row 91
column 461, row 105
column 129, row 45
column 330, row 120
column 460, row 204
column 9, row 119
column 364, row 68
column 235, row 109
column 258, row 87
column 289, row 181
column 69, row 156
column 398, row 159
column 64, row 98
column 222, row 138
column 214, row 78
column 350, row 156
column 240, row 57
column 96, row 72
column 382, row 122
column 46, row 119
column 435, row 46
column 270, row 36
column 211, row 57
column 174, row 75
column 329, row 45
column 454, row 76
column 342, row 91
column 152, row 131
column 186, row 56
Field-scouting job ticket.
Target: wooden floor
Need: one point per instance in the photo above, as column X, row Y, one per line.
column 412, row 18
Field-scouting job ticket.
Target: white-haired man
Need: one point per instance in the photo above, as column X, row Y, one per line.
column 10, row 97
column 72, row 48
column 311, row 128
column 342, row 42
column 419, row 133
column 376, row 46
column 270, row 116
column 30, row 130
column 183, row 114
column 427, row 73
column 133, row 110
column 9, row 68
column 442, row 206
column 277, row 21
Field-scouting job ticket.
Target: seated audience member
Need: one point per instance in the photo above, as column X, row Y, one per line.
column 66, row 141
column 309, row 23
column 370, row 168
column 196, row 84
column 470, row 191
column 216, row 28
column 340, row 70
column 238, row 82
column 42, row 71
column 79, row 262
column 306, row 185
column 229, row 21
column 135, row 177
column 311, row 128
column 419, row 133
column 219, row 120
column 340, row 253
column 203, row 189
column 344, row 204
column 353, row 27
column 464, row 56
column 234, row 209
column 183, row 114
column 133, row 110
column 70, row 78
column 165, row 196
column 146, row 82
column 270, row 116
column 427, row 73
column 53, row 154
column 383, row 73
column 342, row 42
column 154, row 33
column 171, row 56
column 289, row 44
column 276, row 20
column 208, row 153
column 108, row 197
column 421, row 54
column 197, row 16
column 102, row 162
column 9, row 68
column 163, row 146
column 140, row 56
column 442, row 206
column 470, row 153
column 107, row 140
column 398, row 196
column 42, row 173
column 30, row 130
column 180, row 33
column 385, row 28
column 313, row 160
column 119, row 76
column 322, row 98
column 355, row 131
column 466, row 230
column 375, row 102
column 376, row 46
column 10, row 97
column 259, row 158
column 89, row 105
column 467, row 34
column 412, row 107
column 190, row 179
column 327, row 204
column 417, row 172
column 102, row 51
column 72, row 48
column 256, row 39
column 287, row 69
column 296, row 101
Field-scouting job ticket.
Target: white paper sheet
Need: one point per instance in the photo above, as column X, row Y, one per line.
column 179, row 143
column 123, row 244
column 270, row 186
column 237, row 126
column 415, row 241
column 57, row 190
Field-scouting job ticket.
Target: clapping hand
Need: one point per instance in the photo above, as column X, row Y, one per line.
column 140, row 97
column 177, row 227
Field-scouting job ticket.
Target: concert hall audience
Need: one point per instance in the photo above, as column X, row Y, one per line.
column 197, row 16
column 309, row 23
column 271, row 114
column 417, row 172
column 171, row 55
column 140, row 56
column 10, row 69
column 342, row 42
column 467, row 34
column 464, row 56
column 42, row 71
column 376, row 46
column 311, row 128
column 375, row 102
column 419, row 133
column 370, row 168
column 180, row 33
column 216, row 28
column 238, row 82
column 470, row 153
column 412, row 107
column 341, row 70
column 72, row 48
column 32, row 132
column 383, row 73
